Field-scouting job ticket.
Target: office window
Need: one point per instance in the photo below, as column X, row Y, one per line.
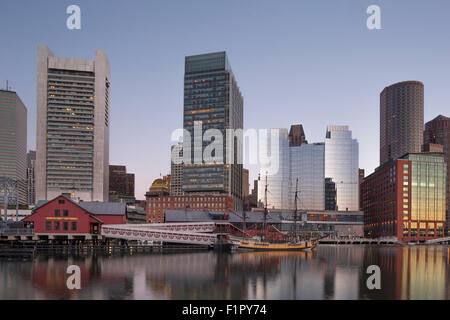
column 56, row 225
column 48, row 225
column 65, row 213
column 56, row 212
column 61, row 201
column 65, row 225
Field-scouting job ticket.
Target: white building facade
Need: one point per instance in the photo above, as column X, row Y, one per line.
column 342, row 166
column 73, row 118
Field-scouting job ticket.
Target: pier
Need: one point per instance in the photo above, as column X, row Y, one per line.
column 358, row 241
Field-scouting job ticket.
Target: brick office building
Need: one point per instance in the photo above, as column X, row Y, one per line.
column 157, row 204
column 405, row 198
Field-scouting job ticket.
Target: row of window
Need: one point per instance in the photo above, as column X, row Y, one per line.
column 193, row 205
column 65, row 212
column 56, row 225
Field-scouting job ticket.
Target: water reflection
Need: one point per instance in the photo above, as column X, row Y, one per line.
column 329, row 272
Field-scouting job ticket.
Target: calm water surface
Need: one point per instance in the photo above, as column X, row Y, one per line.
column 329, row 272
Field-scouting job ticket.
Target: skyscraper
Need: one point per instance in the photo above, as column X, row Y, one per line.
column 212, row 100
column 341, row 165
column 401, row 119
column 307, row 165
column 31, row 188
column 13, row 141
column 176, row 172
column 438, row 131
column 73, row 110
column 276, row 177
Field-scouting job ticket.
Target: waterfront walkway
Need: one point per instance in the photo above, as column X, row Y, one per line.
column 439, row 241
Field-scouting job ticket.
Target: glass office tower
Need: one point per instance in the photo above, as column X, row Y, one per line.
column 278, row 176
column 304, row 162
column 342, row 166
column 428, row 186
column 212, row 100
column 307, row 165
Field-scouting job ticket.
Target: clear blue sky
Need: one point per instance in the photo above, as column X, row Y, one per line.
column 310, row 62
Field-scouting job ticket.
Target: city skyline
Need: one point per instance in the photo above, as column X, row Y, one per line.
column 306, row 68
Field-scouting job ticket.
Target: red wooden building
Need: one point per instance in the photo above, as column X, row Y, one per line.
column 64, row 216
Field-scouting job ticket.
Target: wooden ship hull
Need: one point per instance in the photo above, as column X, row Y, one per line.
column 256, row 245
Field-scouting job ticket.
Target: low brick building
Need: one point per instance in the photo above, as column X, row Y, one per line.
column 157, row 204
column 63, row 217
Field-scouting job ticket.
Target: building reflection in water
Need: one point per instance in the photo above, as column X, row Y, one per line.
column 329, row 272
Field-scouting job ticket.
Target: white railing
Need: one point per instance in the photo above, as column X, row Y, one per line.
column 193, row 233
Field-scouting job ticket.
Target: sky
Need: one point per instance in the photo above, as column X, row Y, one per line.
column 300, row 61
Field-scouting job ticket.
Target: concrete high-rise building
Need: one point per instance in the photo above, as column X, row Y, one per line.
column 341, row 165
column 437, row 131
column 212, row 100
column 73, row 118
column 13, row 141
column 401, row 119
column 176, row 171
column 31, row 184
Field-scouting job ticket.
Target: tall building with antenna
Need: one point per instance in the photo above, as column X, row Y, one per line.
column 73, row 110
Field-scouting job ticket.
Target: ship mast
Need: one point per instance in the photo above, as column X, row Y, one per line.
column 265, row 211
column 295, row 212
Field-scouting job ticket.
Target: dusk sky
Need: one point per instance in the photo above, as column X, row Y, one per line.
column 309, row 62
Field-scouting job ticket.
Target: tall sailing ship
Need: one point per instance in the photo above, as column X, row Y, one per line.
column 264, row 244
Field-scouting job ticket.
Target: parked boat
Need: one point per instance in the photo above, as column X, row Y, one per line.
column 263, row 244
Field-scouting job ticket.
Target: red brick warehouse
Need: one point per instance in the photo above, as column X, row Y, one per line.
column 63, row 218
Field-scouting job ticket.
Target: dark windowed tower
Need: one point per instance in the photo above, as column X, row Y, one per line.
column 401, row 120
column 330, row 195
column 297, row 136
column 437, row 131
column 212, row 100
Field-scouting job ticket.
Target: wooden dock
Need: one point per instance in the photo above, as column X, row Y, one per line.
column 98, row 249
column 357, row 241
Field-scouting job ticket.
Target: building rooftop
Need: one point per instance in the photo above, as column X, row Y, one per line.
column 96, row 208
